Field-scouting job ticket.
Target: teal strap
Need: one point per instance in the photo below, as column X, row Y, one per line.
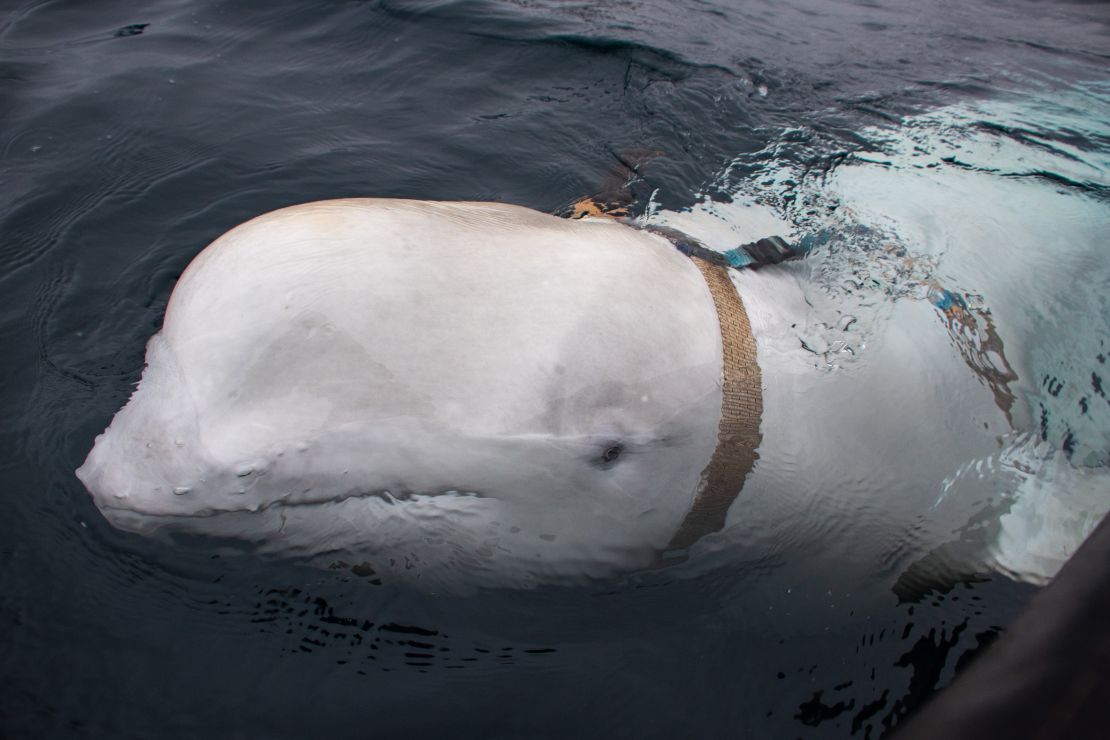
column 738, row 258
column 770, row 250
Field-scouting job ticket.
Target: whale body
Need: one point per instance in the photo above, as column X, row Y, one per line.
column 476, row 394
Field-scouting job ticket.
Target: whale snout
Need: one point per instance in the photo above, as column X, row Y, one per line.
column 120, row 486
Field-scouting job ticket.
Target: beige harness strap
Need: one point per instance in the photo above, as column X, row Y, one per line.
column 738, row 435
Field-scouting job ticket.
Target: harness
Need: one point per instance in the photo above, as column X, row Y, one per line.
column 738, row 435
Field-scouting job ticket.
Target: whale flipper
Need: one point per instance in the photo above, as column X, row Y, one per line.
column 1028, row 538
column 940, row 571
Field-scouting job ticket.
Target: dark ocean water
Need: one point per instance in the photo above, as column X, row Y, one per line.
column 131, row 137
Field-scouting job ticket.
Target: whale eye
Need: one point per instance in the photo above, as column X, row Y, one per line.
column 611, row 453
column 606, row 447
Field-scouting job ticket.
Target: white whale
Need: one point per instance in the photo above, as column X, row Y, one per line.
column 479, row 394
column 425, row 387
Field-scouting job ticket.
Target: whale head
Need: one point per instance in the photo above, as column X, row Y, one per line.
column 468, row 391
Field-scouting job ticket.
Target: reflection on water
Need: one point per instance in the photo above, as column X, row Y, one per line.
column 962, row 152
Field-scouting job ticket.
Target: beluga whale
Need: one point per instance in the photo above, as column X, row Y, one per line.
column 464, row 394
column 471, row 391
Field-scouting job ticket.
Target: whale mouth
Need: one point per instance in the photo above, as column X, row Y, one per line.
column 125, row 517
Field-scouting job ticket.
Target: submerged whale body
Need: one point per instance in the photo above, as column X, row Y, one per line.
column 463, row 390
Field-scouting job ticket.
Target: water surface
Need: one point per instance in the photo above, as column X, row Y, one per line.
column 975, row 135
